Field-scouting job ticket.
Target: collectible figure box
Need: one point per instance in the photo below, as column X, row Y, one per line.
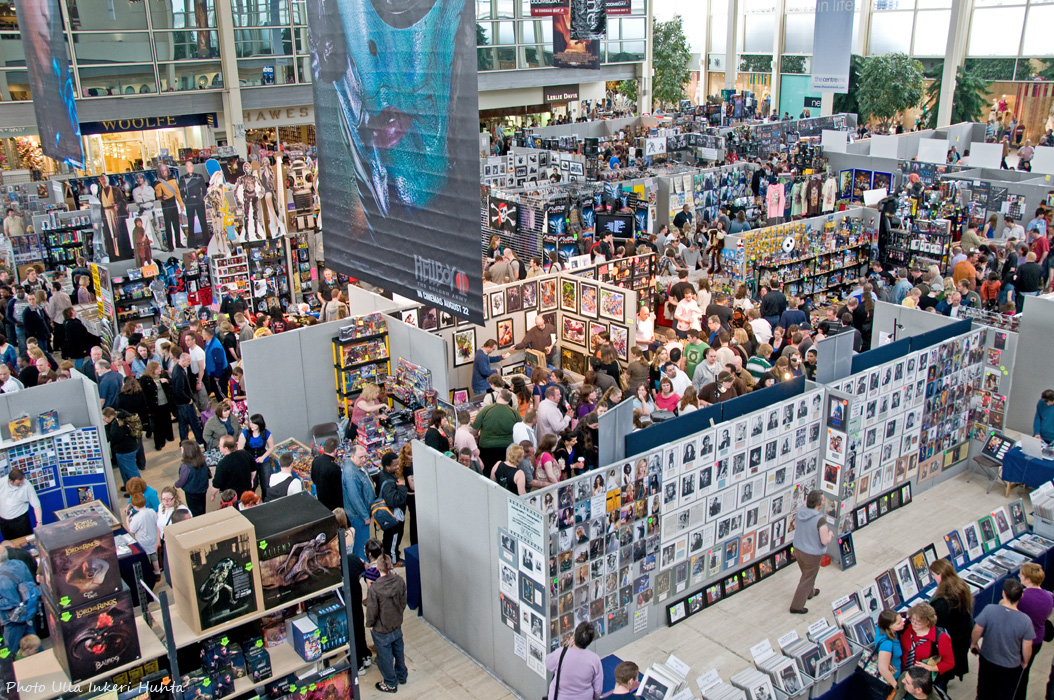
column 332, row 621
column 298, row 548
column 214, row 568
column 257, row 664
column 94, row 638
column 302, row 633
column 78, row 560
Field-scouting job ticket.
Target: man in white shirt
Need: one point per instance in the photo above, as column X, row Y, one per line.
column 16, row 497
column 197, row 368
column 144, row 192
column 761, row 327
column 1013, row 229
column 524, row 430
column 678, row 378
column 8, row 384
column 957, row 257
column 551, row 420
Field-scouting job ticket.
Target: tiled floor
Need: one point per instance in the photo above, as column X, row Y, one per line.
column 719, row 637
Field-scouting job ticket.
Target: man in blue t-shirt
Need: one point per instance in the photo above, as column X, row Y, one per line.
column 1043, row 423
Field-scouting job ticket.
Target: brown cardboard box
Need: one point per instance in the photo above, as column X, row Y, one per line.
column 215, row 568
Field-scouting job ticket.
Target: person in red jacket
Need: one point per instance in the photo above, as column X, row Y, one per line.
column 922, row 641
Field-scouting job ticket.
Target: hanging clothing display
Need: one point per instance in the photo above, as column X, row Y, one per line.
column 775, row 201
column 796, row 198
column 830, row 194
column 812, row 198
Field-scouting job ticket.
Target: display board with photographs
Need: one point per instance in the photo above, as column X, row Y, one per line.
column 728, row 499
column 988, row 403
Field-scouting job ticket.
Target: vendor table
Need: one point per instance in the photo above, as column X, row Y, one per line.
column 1019, row 468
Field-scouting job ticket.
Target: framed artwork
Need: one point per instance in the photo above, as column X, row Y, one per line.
column 573, row 331
column 513, row 300
column 505, row 337
column 529, row 295
column 572, row 361
column 861, row 182
column 409, row 317
column 497, row 304
column 612, row 305
column 619, row 341
column 845, row 184
column 587, row 299
column 577, row 168
column 429, row 318
column 547, row 295
column 595, row 329
column 464, row 346
column 881, row 180
column 569, row 296
column 458, row 396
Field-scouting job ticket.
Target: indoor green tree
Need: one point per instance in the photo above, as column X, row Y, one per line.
column 628, row 89
column 889, row 85
column 670, row 57
column 969, row 102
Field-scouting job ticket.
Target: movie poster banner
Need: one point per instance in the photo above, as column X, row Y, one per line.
column 549, row 8
column 396, row 111
column 617, row 7
column 589, row 20
column 50, row 80
column 556, row 237
column 571, row 53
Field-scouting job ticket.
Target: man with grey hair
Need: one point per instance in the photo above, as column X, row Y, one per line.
column 109, row 384
column 183, row 398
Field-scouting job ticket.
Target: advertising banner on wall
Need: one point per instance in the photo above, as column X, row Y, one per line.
column 396, row 113
column 617, row 7
column 548, row 8
column 589, row 20
column 50, row 79
column 830, row 57
column 556, row 237
column 572, row 53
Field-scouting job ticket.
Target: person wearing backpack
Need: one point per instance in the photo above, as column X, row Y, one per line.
column 391, row 488
column 19, row 600
column 283, row 482
column 924, row 644
column 125, row 443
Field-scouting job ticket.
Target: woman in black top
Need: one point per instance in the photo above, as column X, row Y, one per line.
column 406, row 465
column 608, row 363
column 132, row 400
column 587, row 440
column 507, row 473
column 194, row 476
column 565, row 452
column 953, row 604
column 435, row 436
column 158, row 397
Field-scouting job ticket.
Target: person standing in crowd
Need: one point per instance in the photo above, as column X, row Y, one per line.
column 193, row 476
column 257, row 440
column 325, row 475
column 1043, row 422
column 282, row 482
column 1037, row 603
column 507, row 472
column 125, row 442
column 916, row 683
column 887, row 646
column 234, row 471
column 551, row 420
column 494, row 424
column 198, row 362
column 17, row 496
column 406, row 467
column 540, row 337
column 223, row 422
column 391, row 488
column 627, row 680
column 183, row 399
column 170, row 504
column 217, row 368
column 356, row 568
column 9, row 384
column 385, row 604
column 14, row 573
column 1002, row 637
column 577, row 671
column 925, row 645
column 141, row 523
column 109, row 382
column 812, row 534
column 357, row 489
column 953, row 604
column 157, row 392
column 436, row 434
column 481, row 366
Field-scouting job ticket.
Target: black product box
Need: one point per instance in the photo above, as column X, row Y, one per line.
column 222, row 682
column 215, row 655
column 297, row 547
column 197, row 688
column 331, row 619
column 257, row 664
column 95, row 638
column 78, row 560
column 237, row 659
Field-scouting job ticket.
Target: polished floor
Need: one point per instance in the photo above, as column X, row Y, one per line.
column 719, row 637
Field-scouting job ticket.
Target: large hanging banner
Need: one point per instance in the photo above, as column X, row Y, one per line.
column 589, row 20
column 830, row 57
column 50, row 79
column 572, row 53
column 396, row 111
column 618, row 7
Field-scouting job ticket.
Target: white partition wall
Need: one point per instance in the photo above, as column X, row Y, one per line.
column 933, row 150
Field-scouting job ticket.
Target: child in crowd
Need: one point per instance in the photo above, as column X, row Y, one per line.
column 141, row 523
column 29, row 645
column 374, row 550
column 990, row 291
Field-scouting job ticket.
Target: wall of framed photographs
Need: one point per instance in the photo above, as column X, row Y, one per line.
column 704, row 190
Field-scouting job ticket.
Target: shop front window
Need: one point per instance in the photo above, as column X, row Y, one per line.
column 113, row 81
column 14, row 86
column 260, row 13
column 176, row 77
column 122, row 47
column 187, row 44
column 275, row 41
column 261, row 71
column 92, row 15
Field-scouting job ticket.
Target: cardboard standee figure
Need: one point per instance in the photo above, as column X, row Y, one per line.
column 274, row 225
column 222, row 221
column 248, row 191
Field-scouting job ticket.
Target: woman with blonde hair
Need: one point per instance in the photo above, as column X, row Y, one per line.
column 953, row 603
column 1037, row 603
column 689, row 402
column 406, row 467
column 367, row 404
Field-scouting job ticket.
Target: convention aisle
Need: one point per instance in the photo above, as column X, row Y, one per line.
column 721, row 636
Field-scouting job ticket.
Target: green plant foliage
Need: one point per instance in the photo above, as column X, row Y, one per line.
column 670, row 59
column 846, row 103
column 889, row 85
column 969, row 102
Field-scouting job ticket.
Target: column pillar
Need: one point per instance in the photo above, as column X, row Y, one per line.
column 731, row 63
column 777, row 51
column 232, row 94
column 647, row 70
column 953, row 57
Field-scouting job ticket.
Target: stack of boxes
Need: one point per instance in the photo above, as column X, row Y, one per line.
column 88, row 607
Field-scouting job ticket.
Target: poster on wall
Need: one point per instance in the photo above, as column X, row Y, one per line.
column 830, row 59
column 573, row 53
column 589, row 20
column 503, row 215
column 395, row 106
column 617, row 7
column 548, row 8
column 51, row 81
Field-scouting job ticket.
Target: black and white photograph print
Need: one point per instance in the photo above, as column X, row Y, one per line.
column 507, row 548
column 774, row 420
column 706, row 477
column 706, row 446
column 651, row 688
column 721, row 472
column 724, row 439
column 755, row 459
column 687, row 487
column 689, row 453
column 757, row 426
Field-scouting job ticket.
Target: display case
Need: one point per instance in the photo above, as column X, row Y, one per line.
column 132, row 296
column 230, row 269
column 65, row 234
column 360, row 355
column 269, row 273
column 922, row 243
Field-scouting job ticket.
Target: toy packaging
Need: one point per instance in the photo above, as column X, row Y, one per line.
column 304, row 636
column 78, row 560
column 332, row 621
column 21, row 428
column 257, row 663
column 48, row 421
column 93, row 638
